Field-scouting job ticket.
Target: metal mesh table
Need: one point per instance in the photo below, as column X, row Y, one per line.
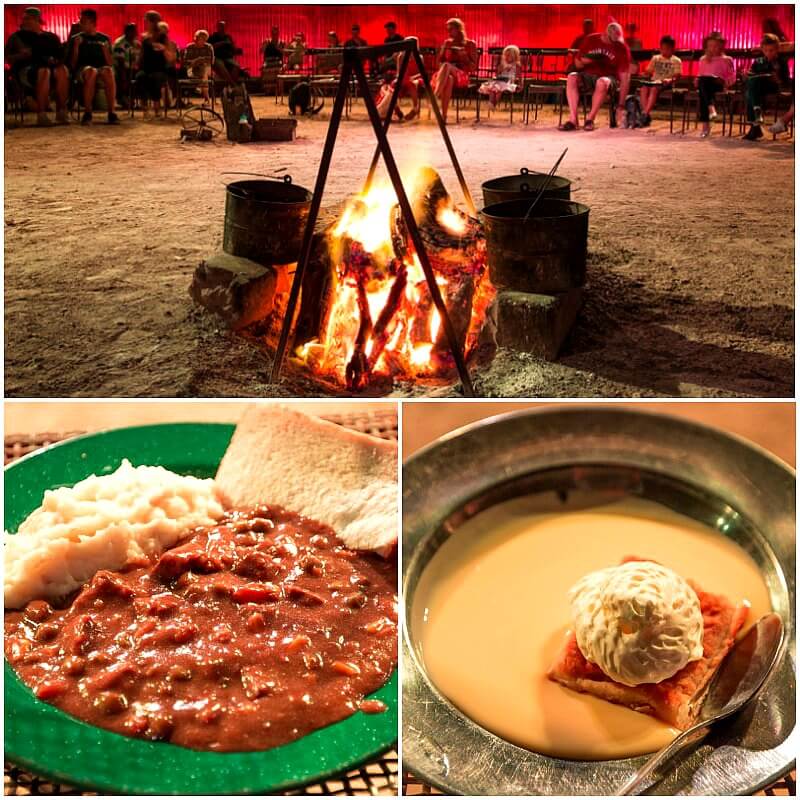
column 376, row 778
column 785, row 787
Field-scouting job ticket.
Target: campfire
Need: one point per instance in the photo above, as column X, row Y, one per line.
column 380, row 320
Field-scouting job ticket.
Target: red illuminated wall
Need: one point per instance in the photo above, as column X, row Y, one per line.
column 490, row 25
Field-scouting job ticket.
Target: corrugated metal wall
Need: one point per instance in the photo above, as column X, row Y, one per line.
column 490, row 25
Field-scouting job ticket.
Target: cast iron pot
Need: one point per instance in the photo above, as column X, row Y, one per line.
column 545, row 252
column 265, row 220
column 526, row 184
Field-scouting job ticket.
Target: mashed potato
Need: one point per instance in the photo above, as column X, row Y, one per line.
column 103, row 522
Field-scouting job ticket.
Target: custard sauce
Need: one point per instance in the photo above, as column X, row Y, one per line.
column 491, row 611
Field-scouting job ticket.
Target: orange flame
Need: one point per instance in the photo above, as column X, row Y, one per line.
column 409, row 340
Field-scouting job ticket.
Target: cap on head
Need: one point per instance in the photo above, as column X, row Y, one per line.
column 392, row 25
column 32, row 11
column 614, row 31
column 89, row 13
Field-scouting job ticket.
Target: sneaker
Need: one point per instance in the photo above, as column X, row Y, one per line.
column 705, row 134
column 646, row 120
column 62, row 118
column 712, row 113
column 43, row 121
column 86, row 118
column 754, row 134
column 759, row 115
column 113, row 119
column 778, row 127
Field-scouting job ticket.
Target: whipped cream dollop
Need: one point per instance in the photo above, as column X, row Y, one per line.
column 639, row 622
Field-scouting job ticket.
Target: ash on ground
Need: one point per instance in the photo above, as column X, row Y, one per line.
column 690, row 287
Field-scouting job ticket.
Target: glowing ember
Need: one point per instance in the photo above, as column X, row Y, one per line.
column 382, row 320
column 452, row 220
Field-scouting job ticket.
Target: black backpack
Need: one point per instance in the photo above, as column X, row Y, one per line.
column 634, row 116
column 301, row 100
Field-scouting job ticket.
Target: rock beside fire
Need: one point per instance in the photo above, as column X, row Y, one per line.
column 536, row 323
column 238, row 290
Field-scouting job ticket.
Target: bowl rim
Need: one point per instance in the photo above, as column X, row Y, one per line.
column 105, row 444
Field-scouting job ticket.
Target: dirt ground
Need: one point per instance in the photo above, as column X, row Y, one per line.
column 690, row 278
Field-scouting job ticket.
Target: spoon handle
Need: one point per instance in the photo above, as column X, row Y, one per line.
column 641, row 778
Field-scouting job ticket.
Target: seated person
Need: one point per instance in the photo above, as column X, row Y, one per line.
column 36, row 59
column 272, row 57
column 664, row 68
column 152, row 76
column 507, row 76
column 356, row 39
column 198, row 58
column 632, row 36
column 127, row 51
column 715, row 73
column 458, row 59
column 603, row 64
column 90, row 58
column 225, row 64
column 330, row 63
column 295, row 52
column 634, row 43
column 172, row 55
column 387, row 66
column 272, row 49
column 587, row 30
column 768, row 74
column 782, row 125
column 410, row 88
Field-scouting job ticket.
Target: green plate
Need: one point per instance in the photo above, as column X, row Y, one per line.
column 49, row 742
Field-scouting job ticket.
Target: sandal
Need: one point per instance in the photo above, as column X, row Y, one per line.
column 588, row 125
column 568, row 126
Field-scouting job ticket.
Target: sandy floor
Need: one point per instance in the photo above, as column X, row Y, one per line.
column 691, row 259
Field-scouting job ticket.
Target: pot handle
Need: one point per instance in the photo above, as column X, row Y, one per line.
column 286, row 178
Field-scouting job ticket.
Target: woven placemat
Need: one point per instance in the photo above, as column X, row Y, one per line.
column 376, row 778
column 785, row 787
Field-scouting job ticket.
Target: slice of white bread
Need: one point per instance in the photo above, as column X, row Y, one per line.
column 334, row 475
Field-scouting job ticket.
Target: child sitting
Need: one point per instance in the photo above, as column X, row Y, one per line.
column 507, row 75
column 714, row 74
column 410, row 88
column 769, row 73
column 660, row 73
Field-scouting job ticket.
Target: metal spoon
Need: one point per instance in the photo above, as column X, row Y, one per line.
column 735, row 683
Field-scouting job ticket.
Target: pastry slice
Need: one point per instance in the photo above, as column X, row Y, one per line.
column 676, row 700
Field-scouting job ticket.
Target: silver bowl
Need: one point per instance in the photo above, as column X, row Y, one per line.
column 716, row 478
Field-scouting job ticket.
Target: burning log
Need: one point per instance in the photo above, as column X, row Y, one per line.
column 421, row 314
column 458, row 299
column 381, row 319
column 358, row 366
column 381, row 332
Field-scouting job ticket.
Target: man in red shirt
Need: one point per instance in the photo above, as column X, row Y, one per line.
column 603, row 62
